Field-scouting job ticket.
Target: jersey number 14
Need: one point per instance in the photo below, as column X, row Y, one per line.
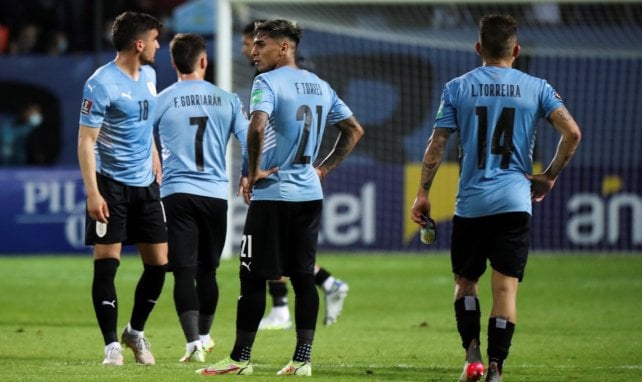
column 499, row 146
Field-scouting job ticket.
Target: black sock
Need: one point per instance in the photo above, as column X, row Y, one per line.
column 279, row 292
column 468, row 315
column 147, row 292
column 306, row 302
column 249, row 310
column 207, row 290
column 500, row 335
column 303, row 350
column 189, row 323
column 185, row 298
column 103, row 294
column 320, row 276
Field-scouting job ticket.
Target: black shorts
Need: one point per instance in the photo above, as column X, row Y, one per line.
column 196, row 228
column 135, row 215
column 503, row 239
column 280, row 238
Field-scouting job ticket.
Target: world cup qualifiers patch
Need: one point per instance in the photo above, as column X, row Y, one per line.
column 86, row 106
column 257, row 95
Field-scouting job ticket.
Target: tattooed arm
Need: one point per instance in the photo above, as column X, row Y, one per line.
column 570, row 131
column 432, row 159
column 350, row 131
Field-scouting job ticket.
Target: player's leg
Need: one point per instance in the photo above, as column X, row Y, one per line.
column 279, row 316
column 259, row 261
column 302, row 259
column 335, row 291
column 182, row 239
column 468, row 264
column 508, row 260
column 146, row 227
column 502, row 320
column 105, row 301
column 213, row 229
column 107, row 239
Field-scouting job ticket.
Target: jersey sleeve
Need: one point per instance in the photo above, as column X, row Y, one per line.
column 262, row 98
column 240, row 125
column 446, row 114
column 95, row 102
column 551, row 101
column 339, row 111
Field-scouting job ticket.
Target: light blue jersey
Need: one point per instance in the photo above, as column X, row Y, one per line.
column 123, row 109
column 495, row 112
column 300, row 105
column 195, row 120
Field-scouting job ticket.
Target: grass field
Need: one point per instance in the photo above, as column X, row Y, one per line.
column 580, row 318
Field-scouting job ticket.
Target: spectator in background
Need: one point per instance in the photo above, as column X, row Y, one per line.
column 57, row 43
column 26, row 41
column 13, row 137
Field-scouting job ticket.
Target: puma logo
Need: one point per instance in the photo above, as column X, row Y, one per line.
column 246, row 265
column 110, row 303
column 127, row 95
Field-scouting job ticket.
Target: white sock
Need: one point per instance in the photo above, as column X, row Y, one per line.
column 205, row 339
column 134, row 332
column 327, row 284
column 281, row 312
column 194, row 345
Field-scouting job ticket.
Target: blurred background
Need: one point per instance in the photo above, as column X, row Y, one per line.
column 389, row 62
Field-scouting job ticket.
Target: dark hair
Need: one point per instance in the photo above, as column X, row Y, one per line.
column 280, row 29
column 248, row 29
column 129, row 26
column 186, row 49
column 497, row 35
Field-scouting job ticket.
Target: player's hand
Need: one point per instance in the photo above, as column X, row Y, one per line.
column 420, row 207
column 157, row 168
column 321, row 172
column 541, row 185
column 97, row 208
column 244, row 189
column 261, row 174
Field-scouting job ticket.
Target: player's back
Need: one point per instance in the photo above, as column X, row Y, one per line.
column 496, row 111
column 299, row 104
column 195, row 120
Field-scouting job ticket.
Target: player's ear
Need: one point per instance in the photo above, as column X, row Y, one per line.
column 516, row 49
column 202, row 62
column 478, row 48
column 139, row 45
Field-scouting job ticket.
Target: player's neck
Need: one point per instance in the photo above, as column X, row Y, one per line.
column 500, row 63
column 194, row 76
column 129, row 64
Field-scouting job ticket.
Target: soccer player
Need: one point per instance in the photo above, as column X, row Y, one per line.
column 494, row 110
column 289, row 110
column 195, row 120
column 335, row 290
column 121, row 169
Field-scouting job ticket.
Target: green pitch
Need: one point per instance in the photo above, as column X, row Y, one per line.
column 579, row 319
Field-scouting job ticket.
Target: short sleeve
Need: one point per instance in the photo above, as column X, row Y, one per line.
column 95, row 102
column 262, row 97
